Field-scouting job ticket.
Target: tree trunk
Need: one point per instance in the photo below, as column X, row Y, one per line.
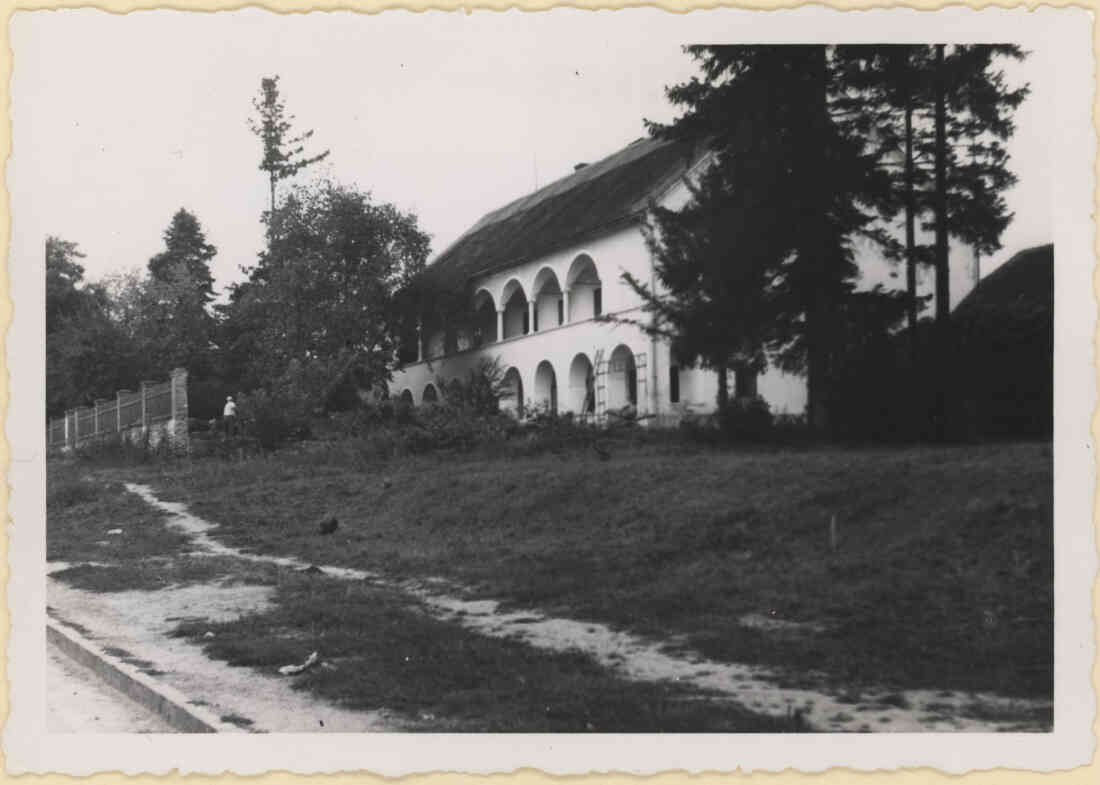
column 910, row 230
column 815, row 248
column 723, row 388
column 943, row 287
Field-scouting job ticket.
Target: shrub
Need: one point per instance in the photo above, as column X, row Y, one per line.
column 548, row 431
column 273, row 416
column 746, row 419
column 480, row 392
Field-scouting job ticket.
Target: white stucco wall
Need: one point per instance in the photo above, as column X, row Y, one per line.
column 875, row 269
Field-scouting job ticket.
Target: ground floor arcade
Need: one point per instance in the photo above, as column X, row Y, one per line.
column 589, row 368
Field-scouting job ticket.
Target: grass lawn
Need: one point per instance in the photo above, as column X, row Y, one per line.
column 381, row 649
column 943, row 575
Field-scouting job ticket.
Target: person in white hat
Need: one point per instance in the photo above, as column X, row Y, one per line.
column 229, row 415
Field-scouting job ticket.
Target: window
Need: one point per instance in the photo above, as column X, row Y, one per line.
column 674, row 384
column 561, row 311
column 597, row 301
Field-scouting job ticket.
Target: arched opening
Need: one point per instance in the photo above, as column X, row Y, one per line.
column 407, row 396
column 515, row 310
column 546, row 388
column 431, row 395
column 585, row 289
column 549, row 300
column 622, row 379
column 485, row 319
column 511, row 399
column 582, row 386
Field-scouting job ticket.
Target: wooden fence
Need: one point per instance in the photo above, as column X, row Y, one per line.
column 154, row 405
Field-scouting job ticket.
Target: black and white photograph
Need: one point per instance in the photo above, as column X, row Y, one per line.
column 486, row 384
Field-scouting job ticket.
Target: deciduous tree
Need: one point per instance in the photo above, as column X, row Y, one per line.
column 86, row 356
column 323, row 292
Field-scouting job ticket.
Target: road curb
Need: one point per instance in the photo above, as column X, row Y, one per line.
column 167, row 702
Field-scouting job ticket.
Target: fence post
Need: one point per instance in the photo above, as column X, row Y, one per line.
column 95, row 417
column 118, row 409
column 68, row 443
column 144, row 406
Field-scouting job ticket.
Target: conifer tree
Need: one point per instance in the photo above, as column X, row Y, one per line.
column 175, row 323
column 186, row 252
column 801, row 154
column 973, row 116
column 715, row 267
column 284, row 152
column 973, row 111
column 890, row 87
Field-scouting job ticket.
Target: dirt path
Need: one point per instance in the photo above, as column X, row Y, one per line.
column 647, row 660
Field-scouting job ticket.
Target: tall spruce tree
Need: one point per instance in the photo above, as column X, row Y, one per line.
column 890, row 87
column 284, row 151
column 973, row 115
column 176, row 324
column 973, row 118
column 186, row 253
column 803, row 156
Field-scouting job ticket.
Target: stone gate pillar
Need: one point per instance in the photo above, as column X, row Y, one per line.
column 177, row 436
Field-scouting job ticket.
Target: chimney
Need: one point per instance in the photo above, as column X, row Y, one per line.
column 578, row 167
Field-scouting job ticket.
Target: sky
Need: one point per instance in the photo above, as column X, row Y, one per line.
column 119, row 121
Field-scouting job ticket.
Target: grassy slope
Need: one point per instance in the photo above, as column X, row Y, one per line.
column 380, row 648
column 943, row 577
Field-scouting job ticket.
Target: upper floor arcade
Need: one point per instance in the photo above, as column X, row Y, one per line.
column 550, row 294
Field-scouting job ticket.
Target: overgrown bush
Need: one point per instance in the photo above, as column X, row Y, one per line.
column 746, row 419
column 481, row 391
column 274, row 415
column 548, row 431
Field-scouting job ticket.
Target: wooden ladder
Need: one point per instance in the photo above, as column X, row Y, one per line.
column 641, row 383
column 600, row 383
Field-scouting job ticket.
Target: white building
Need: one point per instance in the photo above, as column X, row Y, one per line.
column 539, row 270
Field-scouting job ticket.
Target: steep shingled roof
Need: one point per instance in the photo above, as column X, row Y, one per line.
column 586, row 203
